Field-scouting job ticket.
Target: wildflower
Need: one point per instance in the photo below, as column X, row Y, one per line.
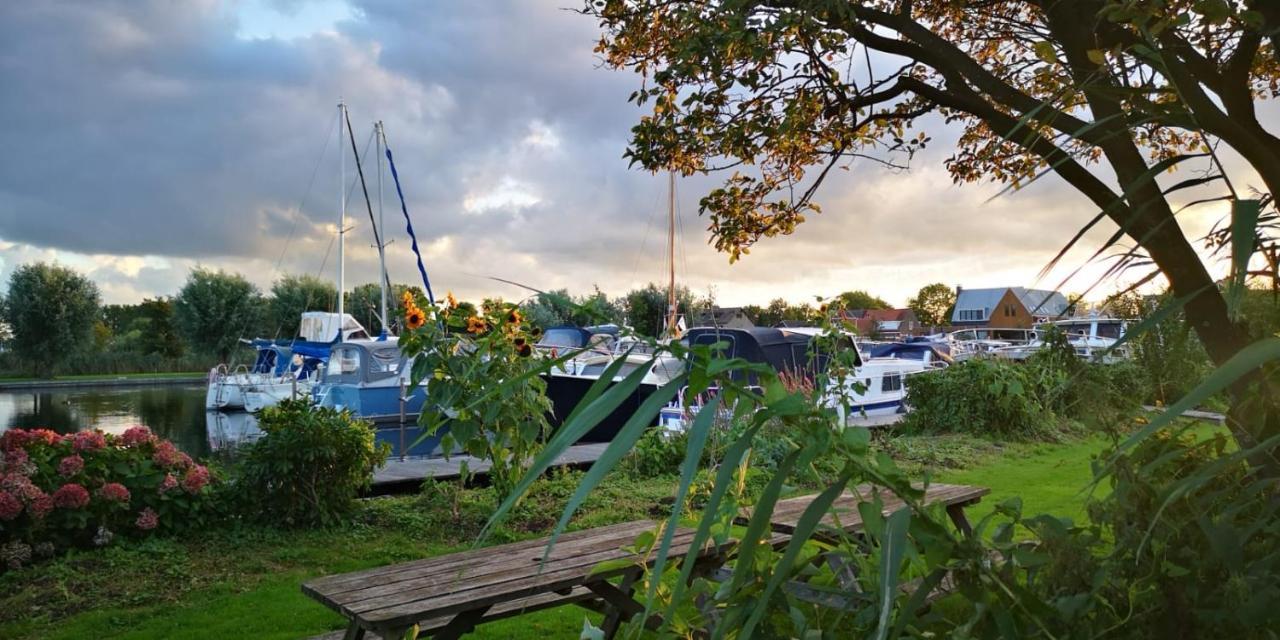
column 525, row 351
column 168, row 484
column 10, row 506
column 88, row 441
column 415, row 318
column 147, row 520
column 103, row 537
column 71, row 496
column 196, row 479
column 136, row 435
column 476, row 325
column 450, row 300
column 70, row 465
column 114, row 492
column 15, row 554
column 40, row 507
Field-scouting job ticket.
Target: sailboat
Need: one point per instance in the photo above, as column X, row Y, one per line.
column 568, row 383
column 289, row 369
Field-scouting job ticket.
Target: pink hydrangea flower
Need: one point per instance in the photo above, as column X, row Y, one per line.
column 136, row 435
column 16, row 457
column 88, row 441
column 70, row 465
column 196, row 479
column 45, row 436
column 168, row 456
column 40, row 507
column 114, row 492
column 14, row 439
column 10, row 506
column 147, row 520
column 169, row 483
column 29, row 490
column 71, row 496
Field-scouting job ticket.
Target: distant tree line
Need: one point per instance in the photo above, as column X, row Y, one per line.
column 55, row 321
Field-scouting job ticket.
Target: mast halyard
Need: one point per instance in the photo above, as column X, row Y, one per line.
column 382, row 244
column 672, row 312
column 342, row 219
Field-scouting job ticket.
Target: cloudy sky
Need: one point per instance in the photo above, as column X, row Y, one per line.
column 144, row 137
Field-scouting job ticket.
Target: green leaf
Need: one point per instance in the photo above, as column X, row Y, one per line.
column 893, row 545
column 1244, row 228
column 1045, row 51
column 1097, row 56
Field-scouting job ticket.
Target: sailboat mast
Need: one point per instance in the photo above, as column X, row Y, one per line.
column 382, row 243
column 342, row 218
column 671, row 253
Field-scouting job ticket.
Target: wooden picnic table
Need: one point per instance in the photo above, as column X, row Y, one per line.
column 448, row 596
column 844, row 514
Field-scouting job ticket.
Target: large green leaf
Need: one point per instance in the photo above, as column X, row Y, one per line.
column 893, row 545
column 1244, row 230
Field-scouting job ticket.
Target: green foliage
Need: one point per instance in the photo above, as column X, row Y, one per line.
column 292, row 295
column 647, row 307
column 559, row 307
column 83, row 489
column 461, row 358
column 308, row 467
column 860, row 299
column 214, row 309
column 983, row 397
column 1168, row 354
column 780, row 311
column 50, row 311
column 932, row 304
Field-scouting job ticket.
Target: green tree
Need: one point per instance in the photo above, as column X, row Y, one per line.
column 51, row 312
column 292, row 295
column 932, row 304
column 647, row 307
column 1106, row 95
column 214, row 309
column 160, row 336
column 860, row 299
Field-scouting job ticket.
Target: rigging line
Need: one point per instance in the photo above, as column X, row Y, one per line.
column 368, row 204
column 644, row 239
column 293, row 228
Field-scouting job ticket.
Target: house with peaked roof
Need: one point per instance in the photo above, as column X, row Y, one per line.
column 1007, row 307
column 882, row 323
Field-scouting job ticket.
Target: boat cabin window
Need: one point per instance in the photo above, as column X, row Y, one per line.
column 561, row 338
column 1109, row 330
column 344, row 365
column 891, row 382
column 384, row 363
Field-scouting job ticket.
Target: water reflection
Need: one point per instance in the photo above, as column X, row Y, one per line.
column 176, row 413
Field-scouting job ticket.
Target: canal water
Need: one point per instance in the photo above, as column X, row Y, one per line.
column 175, row 413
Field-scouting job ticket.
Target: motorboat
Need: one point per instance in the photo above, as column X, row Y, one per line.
column 1093, row 338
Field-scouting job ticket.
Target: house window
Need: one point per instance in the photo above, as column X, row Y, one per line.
column 970, row 315
column 891, row 382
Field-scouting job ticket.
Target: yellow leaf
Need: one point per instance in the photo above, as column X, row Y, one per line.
column 1044, row 51
column 1097, row 57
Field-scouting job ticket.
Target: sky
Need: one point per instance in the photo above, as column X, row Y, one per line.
column 143, row 138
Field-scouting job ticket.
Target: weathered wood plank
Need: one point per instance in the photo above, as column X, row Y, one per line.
column 397, row 471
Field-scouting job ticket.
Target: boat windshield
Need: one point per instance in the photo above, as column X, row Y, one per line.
column 384, row 363
column 1110, row 330
column 344, row 365
column 561, row 338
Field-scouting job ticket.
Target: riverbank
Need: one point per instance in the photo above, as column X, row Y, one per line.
column 245, row 582
column 103, row 380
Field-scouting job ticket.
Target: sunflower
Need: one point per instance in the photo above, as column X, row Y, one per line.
column 415, row 318
column 518, row 342
column 450, row 300
column 476, row 325
column 524, row 351
column 514, row 317
column 406, row 300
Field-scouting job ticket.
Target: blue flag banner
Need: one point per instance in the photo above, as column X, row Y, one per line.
column 413, row 239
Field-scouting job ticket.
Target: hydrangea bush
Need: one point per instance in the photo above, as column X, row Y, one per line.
column 85, row 488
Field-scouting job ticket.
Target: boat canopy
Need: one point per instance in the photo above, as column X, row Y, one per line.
column 322, row 326
column 364, row 361
column 784, row 351
column 915, row 350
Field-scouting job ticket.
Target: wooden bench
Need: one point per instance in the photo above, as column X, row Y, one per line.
column 448, row 596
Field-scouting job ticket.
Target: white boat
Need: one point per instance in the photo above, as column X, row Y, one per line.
column 280, row 366
column 1093, row 338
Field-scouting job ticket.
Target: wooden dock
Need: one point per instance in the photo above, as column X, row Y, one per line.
column 415, row 470
column 1192, row 414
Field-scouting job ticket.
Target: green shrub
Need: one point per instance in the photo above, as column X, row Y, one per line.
column 83, row 489
column 982, row 397
column 308, row 466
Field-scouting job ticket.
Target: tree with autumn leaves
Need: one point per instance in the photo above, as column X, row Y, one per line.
column 1131, row 102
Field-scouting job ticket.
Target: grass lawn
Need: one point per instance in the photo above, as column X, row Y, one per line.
column 246, row 583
